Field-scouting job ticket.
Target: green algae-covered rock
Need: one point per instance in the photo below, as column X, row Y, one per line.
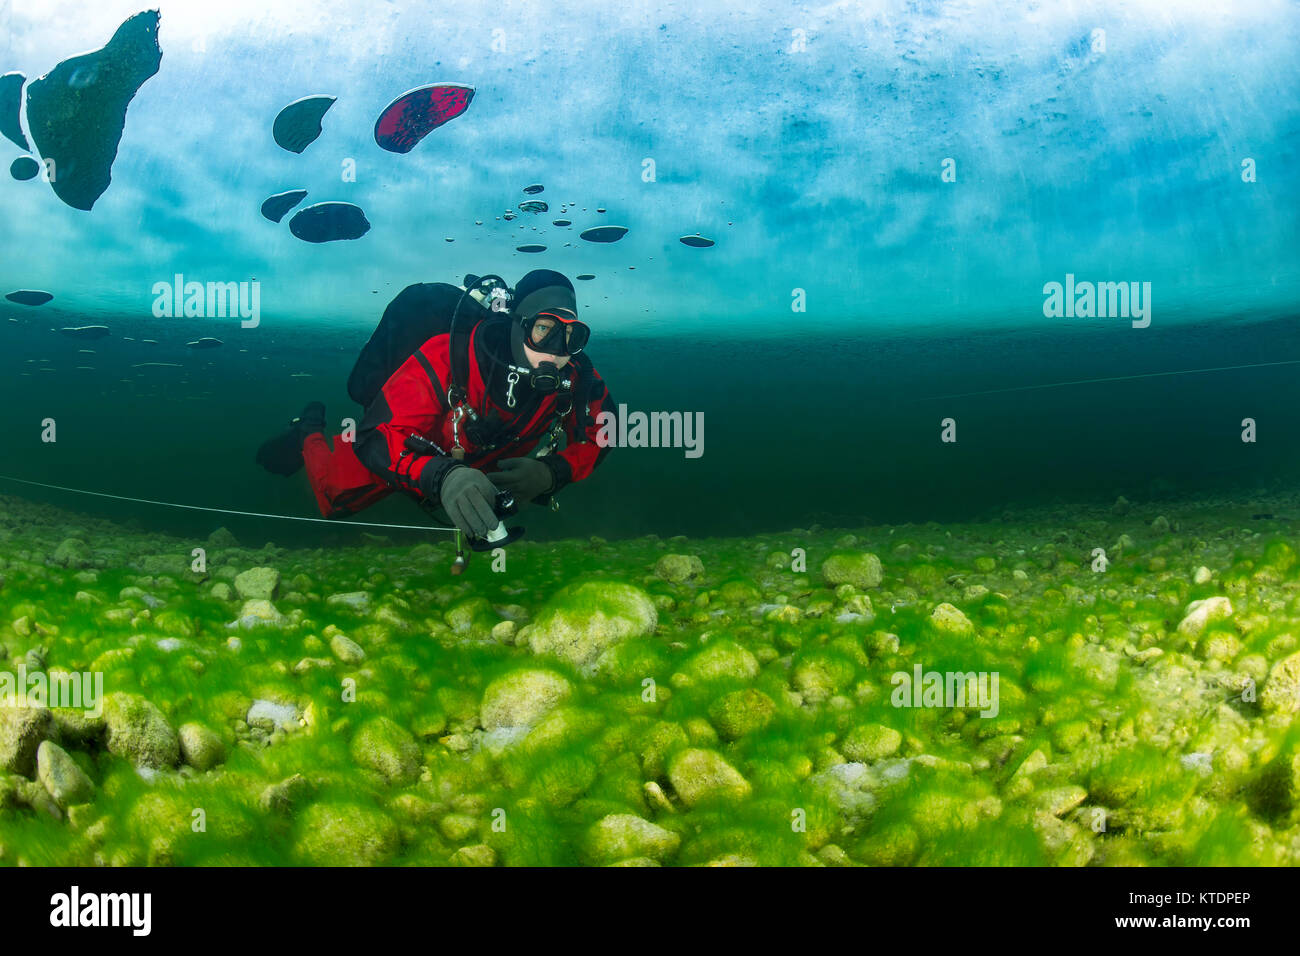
column 633, row 661
column 1281, row 692
column 564, row 779
column 138, row 731
column 699, row 775
column 820, row 675
column 622, row 836
column 679, row 568
column 1280, row 555
column 1201, row 614
column 200, row 747
column 72, row 553
column 62, row 778
column 346, row 650
column 741, row 712
column 77, row 727
column 583, row 620
column 458, row 827
column 259, row 612
column 389, row 749
column 869, row 742
column 258, row 584
column 471, row 616
column 659, row 742
column 739, row 592
column 521, row 698
column 720, row 660
column 345, row 835
column 895, row 845
column 1059, row 801
column 947, row 619
column 859, row 568
column 21, row 731
column 287, row 795
column 477, row 855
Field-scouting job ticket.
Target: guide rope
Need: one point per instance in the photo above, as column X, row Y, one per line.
column 224, row 511
column 1117, row 378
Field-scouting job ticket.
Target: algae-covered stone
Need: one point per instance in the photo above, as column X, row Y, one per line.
column 287, row 795
column 345, row 835
column 21, row 731
column 742, row 712
column 358, row 601
column 200, row 747
column 458, row 827
column 1281, row 692
column 521, row 698
column 658, row 744
column 894, row 845
column 473, row 615
column 65, row 782
column 699, row 775
column 272, row 715
column 947, row 619
column 480, row 854
column 679, row 568
column 621, row 836
column 1201, row 614
column 347, row 650
column 384, row 746
column 585, row 619
column 138, row 731
column 258, row 584
column 259, row 612
column 77, row 727
column 819, row 676
column 72, row 553
column 859, row 568
column 720, row 660
column 871, row 742
column 1059, row 801
column 1280, row 555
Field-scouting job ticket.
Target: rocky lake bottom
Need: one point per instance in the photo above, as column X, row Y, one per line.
column 780, row 699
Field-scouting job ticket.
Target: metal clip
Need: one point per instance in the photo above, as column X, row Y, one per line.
column 512, row 378
column 457, row 450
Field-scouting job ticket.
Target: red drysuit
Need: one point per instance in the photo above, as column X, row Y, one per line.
column 351, row 476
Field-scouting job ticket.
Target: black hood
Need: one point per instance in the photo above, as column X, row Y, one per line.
column 494, row 349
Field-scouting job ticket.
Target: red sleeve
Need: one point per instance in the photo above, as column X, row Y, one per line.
column 412, row 402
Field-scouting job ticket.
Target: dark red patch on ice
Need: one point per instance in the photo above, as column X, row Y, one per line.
column 415, row 114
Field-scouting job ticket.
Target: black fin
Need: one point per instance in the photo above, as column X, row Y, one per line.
column 282, row 455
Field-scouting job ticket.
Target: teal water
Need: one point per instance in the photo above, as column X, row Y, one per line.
column 891, row 190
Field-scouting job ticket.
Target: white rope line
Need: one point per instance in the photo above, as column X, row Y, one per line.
column 224, row 511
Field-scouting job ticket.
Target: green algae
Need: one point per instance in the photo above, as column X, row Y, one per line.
column 413, row 752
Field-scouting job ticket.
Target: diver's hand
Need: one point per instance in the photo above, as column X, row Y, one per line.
column 525, row 478
column 467, row 496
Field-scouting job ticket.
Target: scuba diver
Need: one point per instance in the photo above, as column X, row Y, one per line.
column 459, row 385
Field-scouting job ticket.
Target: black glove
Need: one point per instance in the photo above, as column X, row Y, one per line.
column 468, row 497
column 525, row 478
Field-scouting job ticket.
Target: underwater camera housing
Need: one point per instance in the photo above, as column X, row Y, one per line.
column 500, row 536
